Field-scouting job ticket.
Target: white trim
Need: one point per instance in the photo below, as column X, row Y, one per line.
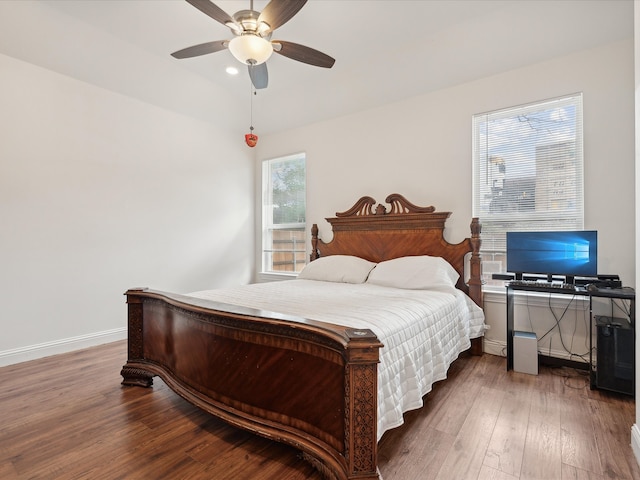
column 494, row 347
column 536, row 299
column 635, row 441
column 64, row 345
column 499, row 348
column 264, row 277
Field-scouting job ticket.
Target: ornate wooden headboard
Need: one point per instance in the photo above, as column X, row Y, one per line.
column 372, row 232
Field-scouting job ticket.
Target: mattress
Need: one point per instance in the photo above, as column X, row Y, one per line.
column 423, row 331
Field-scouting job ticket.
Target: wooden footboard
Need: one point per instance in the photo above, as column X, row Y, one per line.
column 304, row 383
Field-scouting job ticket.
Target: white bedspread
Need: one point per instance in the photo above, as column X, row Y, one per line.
column 422, row 331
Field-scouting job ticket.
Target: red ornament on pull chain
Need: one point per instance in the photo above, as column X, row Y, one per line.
column 250, row 138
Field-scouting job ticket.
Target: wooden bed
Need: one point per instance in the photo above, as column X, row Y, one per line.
column 309, row 384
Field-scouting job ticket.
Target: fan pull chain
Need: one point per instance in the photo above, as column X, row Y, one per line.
column 250, row 138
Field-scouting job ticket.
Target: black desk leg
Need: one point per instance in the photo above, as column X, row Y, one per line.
column 592, row 373
column 510, row 296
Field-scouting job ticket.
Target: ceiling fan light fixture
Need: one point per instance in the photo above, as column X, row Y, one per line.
column 237, row 29
column 263, row 28
column 250, row 49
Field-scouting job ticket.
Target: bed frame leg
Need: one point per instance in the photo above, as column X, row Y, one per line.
column 477, row 347
column 136, row 377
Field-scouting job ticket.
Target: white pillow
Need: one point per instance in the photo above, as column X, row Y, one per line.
column 416, row 273
column 337, row 268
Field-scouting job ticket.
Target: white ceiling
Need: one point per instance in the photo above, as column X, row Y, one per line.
column 384, row 50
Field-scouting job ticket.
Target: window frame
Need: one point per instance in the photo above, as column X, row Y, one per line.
column 524, row 217
column 267, row 226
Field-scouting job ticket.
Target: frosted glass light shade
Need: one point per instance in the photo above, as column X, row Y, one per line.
column 250, row 49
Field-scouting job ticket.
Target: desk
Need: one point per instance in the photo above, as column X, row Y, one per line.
column 616, row 353
column 511, row 289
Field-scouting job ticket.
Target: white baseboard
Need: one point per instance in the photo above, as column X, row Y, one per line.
column 41, row 350
column 635, row 441
column 495, row 347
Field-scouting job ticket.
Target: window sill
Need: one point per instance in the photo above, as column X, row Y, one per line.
column 264, row 277
column 496, row 294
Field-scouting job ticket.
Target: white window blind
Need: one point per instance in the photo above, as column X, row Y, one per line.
column 284, row 214
column 527, row 171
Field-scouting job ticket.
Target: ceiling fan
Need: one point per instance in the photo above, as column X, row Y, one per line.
column 252, row 44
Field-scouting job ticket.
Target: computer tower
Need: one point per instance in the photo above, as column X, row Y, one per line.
column 525, row 352
column 615, row 368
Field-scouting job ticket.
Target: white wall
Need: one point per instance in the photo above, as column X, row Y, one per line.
column 635, row 430
column 99, row 193
column 421, row 148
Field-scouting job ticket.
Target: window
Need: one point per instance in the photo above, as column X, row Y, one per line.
column 527, row 173
column 284, row 226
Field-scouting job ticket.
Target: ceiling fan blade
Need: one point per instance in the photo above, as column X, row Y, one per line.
column 303, row 54
column 202, row 49
column 279, row 12
column 259, row 75
column 211, row 9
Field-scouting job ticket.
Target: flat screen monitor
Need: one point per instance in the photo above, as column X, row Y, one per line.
column 567, row 253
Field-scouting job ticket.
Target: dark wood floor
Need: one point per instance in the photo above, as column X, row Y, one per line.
column 67, row 417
